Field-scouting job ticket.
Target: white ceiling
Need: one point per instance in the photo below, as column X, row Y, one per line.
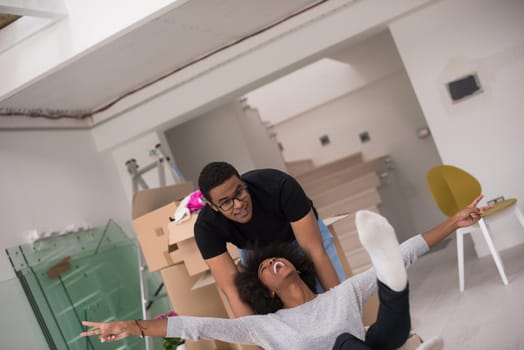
column 150, row 51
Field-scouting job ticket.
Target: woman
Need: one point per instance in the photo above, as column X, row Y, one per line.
column 307, row 320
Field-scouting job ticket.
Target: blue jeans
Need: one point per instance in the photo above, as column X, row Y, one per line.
column 329, row 247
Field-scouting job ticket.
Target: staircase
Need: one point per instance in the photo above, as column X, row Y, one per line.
column 343, row 187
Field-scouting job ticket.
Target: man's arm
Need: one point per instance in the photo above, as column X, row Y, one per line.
column 308, row 236
column 224, row 270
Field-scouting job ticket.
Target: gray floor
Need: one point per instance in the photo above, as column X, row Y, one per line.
column 487, row 315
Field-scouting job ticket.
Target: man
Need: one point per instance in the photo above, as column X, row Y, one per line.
column 259, row 207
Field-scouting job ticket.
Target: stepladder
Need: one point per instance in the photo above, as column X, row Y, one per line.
column 160, row 161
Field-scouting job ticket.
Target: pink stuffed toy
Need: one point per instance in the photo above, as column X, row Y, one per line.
column 191, row 203
column 196, row 201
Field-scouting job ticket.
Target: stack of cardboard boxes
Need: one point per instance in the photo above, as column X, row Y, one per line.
column 171, row 249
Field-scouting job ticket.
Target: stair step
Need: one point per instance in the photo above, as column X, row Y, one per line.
column 323, row 183
column 342, row 163
column 346, row 231
column 349, row 241
column 345, row 226
column 362, row 268
column 348, row 223
column 347, row 189
column 358, row 258
column 364, row 199
column 299, row 167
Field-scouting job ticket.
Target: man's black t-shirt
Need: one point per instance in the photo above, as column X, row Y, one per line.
column 277, row 200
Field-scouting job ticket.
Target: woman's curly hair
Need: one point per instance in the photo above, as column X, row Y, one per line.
column 253, row 292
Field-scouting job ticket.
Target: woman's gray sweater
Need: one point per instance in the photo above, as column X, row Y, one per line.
column 313, row 325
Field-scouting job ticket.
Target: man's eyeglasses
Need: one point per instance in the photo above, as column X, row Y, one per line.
column 228, row 203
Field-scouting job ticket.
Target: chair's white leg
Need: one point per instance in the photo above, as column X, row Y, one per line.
column 494, row 253
column 519, row 215
column 460, row 256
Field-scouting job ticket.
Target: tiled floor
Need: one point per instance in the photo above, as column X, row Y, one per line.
column 487, row 315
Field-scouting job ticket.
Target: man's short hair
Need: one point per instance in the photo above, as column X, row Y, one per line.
column 215, row 174
column 253, row 292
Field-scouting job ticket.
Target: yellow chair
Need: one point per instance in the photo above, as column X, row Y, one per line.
column 453, row 189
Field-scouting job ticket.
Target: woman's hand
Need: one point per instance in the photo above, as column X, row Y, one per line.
column 108, row 331
column 471, row 214
column 466, row 217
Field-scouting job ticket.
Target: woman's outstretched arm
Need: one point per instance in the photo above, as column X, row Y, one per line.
column 237, row 330
column 111, row 331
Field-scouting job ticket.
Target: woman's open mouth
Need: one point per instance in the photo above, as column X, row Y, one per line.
column 277, row 266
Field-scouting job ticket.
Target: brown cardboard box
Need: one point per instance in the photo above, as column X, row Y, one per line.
column 180, row 263
column 181, row 231
column 151, row 199
column 151, row 231
column 182, row 246
column 203, row 302
column 151, row 210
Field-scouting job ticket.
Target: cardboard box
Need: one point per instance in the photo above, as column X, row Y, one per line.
column 201, row 302
column 204, row 302
column 151, row 210
column 179, row 232
column 182, row 245
column 178, row 258
column 152, row 233
column 149, row 200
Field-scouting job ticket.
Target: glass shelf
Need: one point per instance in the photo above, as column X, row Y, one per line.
column 84, row 275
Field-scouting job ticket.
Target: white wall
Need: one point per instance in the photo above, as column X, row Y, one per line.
column 343, row 71
column 262, row 146
column 51, row 179
column 223, row 134
column 18, row 326
column 483, row 134
column 274, row 104
column 336, row 113
column 139, row 149
column 48, row 180
column 213, row 136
